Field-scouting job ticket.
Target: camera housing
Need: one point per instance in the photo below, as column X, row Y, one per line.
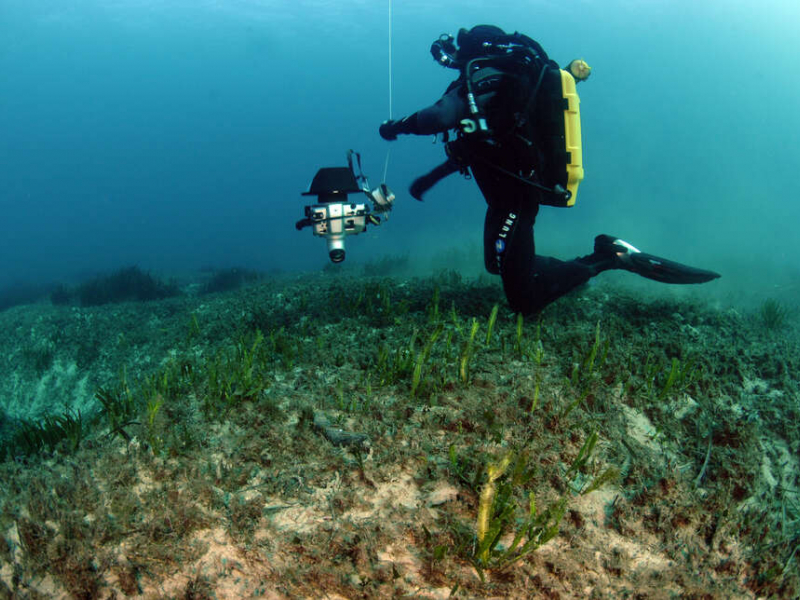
column 334, row 216
column 334, row 221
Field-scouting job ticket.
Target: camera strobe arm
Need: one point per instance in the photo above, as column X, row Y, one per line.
column 303, row 223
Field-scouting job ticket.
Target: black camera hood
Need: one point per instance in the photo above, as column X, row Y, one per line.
column 331, row 183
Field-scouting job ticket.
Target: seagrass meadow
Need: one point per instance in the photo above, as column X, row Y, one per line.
column 355, row 436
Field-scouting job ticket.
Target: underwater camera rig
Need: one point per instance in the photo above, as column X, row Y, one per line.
column 333, row 216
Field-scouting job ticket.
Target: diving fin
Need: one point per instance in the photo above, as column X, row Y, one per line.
column 626, row 256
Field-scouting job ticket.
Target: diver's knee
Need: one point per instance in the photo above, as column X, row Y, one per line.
column 523, row 306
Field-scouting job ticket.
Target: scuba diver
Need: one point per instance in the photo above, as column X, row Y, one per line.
column 517, row 132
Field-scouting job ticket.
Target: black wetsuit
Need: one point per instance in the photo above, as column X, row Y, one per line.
column 530, row 281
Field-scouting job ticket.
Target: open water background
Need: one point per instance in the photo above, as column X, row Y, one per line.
column 179, row 134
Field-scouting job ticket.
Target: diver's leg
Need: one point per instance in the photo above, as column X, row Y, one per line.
column 515, row 258
column 491, row 229
column 555, row 278
column 530, row 282
column 508, row 248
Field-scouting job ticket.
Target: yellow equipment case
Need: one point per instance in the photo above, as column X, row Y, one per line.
column 572, row 135
column 557, row 111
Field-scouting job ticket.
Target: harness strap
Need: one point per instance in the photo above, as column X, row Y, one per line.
column 464, row 157
column 551, row 190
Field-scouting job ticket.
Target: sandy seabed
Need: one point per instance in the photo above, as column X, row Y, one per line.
column 205, row 473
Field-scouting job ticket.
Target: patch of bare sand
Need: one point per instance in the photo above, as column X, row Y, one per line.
column 381, row 503
column 598, row 561
column 223, row 568
column 602, row 555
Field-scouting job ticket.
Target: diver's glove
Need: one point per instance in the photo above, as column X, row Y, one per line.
column 390, row 129
column 386, row 130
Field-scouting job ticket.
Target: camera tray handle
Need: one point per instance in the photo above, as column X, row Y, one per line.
column 359, row 174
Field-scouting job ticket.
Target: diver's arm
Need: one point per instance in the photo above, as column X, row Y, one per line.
column 438, row 118
column 422, row 184
column 389, row 130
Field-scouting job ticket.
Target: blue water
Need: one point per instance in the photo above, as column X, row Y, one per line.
column 179, row 134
